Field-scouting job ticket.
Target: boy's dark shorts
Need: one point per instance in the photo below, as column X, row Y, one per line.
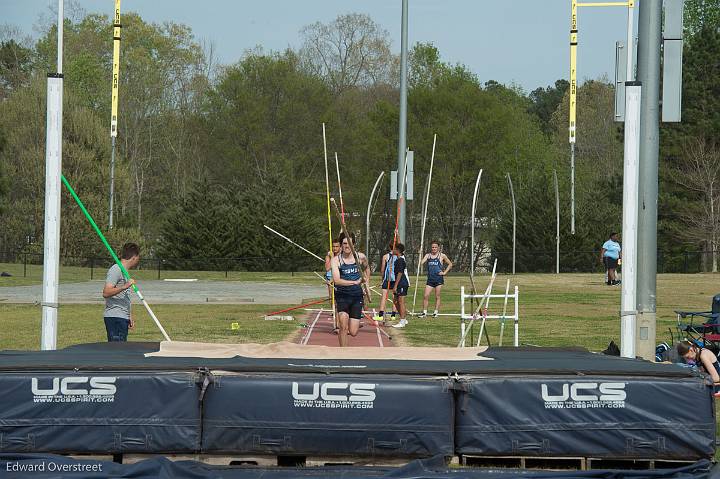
column 352, row 305
column 388, row 285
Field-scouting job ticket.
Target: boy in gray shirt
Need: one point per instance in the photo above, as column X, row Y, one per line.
column 117, row 297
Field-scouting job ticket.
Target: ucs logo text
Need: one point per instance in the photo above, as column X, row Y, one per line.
column 72, row 386
column 353, row 392
column 581, row 392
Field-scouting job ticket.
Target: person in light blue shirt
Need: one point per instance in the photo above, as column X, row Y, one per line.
column 610, row 256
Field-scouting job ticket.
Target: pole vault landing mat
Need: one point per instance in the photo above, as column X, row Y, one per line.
column 319, row 332
column 50, row 466
column 288, row 399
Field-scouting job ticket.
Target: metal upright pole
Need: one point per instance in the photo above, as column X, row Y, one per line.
column 573, row 106
column 572, row 188
column 402, row 140
column 53, row 167
column 112, row 184
column 557, row 223
column 648, row 74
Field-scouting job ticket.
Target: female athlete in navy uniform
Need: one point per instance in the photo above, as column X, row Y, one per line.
column 348, row 277
column 435, row 276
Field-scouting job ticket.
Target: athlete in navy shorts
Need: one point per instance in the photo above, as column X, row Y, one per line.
column 435, row 276
column 348, row 277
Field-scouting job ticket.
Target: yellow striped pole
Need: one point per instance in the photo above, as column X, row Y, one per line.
column 572, row 117
column 116, row 69
column 114, row 108
column 330, row 236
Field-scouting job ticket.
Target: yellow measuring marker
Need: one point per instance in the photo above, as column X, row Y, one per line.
column 574, row 4
column 234, row 325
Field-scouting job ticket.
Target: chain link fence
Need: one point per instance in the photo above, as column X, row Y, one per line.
column 542, row 261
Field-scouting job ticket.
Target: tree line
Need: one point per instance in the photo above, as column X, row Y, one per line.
column 208, row 153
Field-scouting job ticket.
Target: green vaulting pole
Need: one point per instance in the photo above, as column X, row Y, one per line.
column 114, row 256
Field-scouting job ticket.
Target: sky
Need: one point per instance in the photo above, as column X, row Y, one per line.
column 521, row 42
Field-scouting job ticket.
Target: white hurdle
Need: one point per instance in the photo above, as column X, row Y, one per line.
column 500, row 317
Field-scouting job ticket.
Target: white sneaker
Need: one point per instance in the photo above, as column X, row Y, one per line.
column 435, row 314
column 401, row 324
column 422, row 315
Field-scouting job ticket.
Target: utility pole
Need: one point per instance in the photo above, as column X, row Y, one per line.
column 402, row 140
column 648, row 74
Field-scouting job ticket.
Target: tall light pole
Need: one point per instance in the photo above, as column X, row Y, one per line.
column 648, row 74
column 402, row 140
column 53, row 168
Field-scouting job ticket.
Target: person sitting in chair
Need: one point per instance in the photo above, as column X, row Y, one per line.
column 705, row 360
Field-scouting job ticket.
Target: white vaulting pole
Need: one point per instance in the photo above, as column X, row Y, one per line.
column 424, row 222
column 628, row 301
column 342, row 204
column 504, row 315
column 512, row 197
column 472, row 224
column 369, row 213
column 53, row 167
column 484, row 297
column 293, row 243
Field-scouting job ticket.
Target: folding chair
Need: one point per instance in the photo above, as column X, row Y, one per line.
column 701, row 327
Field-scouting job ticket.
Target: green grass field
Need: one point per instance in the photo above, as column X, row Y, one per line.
column 83, row 323
column 32, row 274
column 555, row 310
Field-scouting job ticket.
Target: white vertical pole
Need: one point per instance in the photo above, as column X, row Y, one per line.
column 53, row 167
column 472, row 225
column 557, row 223
column 504, row 313
column 629, row 44
column 61, row 19
column 462, row 315
column 512, row 196
column 628, row 301
column 369, row 211
column 517, row 341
